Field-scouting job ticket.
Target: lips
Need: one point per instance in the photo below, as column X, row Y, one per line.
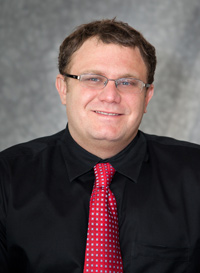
column 106, row 113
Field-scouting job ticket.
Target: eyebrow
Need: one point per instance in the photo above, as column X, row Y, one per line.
column 129, row 76
column 98, row 72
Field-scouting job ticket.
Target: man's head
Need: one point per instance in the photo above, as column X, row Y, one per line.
column 111, row 69
column 109, row 32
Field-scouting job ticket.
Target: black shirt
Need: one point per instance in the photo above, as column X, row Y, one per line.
column 45, row 188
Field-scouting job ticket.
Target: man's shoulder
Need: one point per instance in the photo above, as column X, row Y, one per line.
column 175, row 148
column 169, row 141
column 172, row 154
column 32, row 147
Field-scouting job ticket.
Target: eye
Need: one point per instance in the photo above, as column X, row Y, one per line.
column 125, row 83
column 128, row 82
column 92, row 78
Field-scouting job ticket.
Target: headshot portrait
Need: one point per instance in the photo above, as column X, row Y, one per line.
column 100, row 146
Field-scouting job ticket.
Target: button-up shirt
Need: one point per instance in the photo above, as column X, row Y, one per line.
column 45, row 188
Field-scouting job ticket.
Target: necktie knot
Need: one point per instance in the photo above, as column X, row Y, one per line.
column 103, row 252
column 104, row 173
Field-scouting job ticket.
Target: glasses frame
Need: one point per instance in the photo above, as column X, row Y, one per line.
column 78, row 77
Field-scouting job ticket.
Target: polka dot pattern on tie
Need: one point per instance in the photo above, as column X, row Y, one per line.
column 103, row 253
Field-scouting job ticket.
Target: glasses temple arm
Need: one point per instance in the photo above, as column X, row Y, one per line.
column 71, row 76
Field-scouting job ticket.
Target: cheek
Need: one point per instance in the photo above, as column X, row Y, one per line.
column 136, row 104
column 88, row 100
column 78, row 103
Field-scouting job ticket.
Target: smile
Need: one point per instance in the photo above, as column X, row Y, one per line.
column 107, row 114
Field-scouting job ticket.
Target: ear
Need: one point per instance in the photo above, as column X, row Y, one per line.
column 61, row 86
column 148, row 96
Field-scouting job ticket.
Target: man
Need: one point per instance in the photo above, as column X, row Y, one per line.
column 106, row 82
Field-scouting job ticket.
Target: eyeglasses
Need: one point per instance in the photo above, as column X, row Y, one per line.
column 95, row 82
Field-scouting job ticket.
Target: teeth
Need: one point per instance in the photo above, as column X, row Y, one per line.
column 104, row 113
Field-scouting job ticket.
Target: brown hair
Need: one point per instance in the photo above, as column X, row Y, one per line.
column 108, row 31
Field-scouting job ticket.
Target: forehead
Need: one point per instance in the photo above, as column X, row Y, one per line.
column 96, row 55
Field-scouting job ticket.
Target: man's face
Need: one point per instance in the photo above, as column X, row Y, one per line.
column 107, row 116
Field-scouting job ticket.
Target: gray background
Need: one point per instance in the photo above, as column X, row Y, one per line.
column 30, row 35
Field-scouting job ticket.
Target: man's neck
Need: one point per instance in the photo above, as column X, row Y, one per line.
column 103, row 149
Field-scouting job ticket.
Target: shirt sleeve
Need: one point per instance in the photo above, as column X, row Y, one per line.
column 4, row 174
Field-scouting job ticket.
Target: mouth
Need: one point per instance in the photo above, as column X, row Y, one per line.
column 107, row 113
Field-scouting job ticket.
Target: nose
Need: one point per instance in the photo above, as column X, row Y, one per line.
column 110, row 93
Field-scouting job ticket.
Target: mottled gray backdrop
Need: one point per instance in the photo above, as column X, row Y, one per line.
column 32, row 30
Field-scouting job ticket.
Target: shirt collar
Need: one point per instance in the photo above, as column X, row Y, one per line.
column 128, row 162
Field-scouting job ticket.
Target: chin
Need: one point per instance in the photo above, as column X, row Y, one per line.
column 106, row 137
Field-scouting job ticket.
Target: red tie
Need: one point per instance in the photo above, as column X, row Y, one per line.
column 103, row 253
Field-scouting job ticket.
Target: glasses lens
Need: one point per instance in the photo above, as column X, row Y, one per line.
column 129, row 84
column 92, row 80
